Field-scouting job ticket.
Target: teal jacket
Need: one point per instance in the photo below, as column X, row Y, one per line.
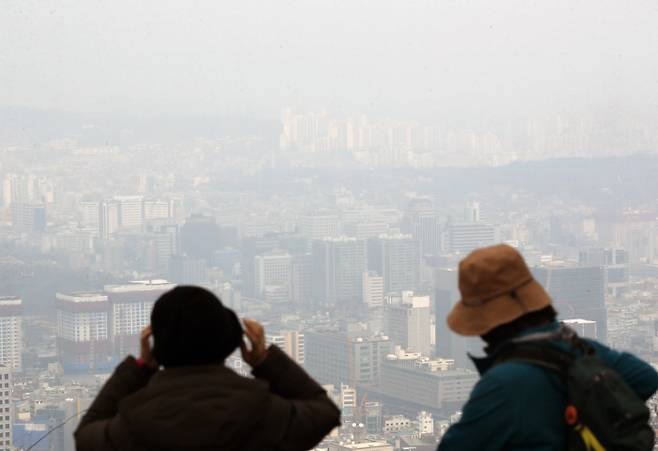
column 519, row 406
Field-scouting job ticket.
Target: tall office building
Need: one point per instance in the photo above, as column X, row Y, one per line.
column 616, row 264
column 156, row 209
column 336, row 358
column 338, row 267
column 273, row 269
column 83, row 336
column 200, row 237
column 28, row 217
column 634, row 231
column 131, row 211
column 226, row 259
column 250, row 247
column 466, row 237
column 397, row 259
column 90, row 213
column 187, row 270
column 165, row 244
column 108, row 218
column 129, row 310
column 6, row 414
column 425, row 227
column 472, row 213
column 425, row 385
column 408, row 321
column 448, row 344
column 11, row 333
column 319, row 226
column 301, row 279
column 19, row 188
column 577, row 292
column 373, row 289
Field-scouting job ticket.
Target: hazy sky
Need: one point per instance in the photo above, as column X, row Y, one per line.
column 433, row 57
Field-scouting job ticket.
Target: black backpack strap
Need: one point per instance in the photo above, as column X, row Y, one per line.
column 565, row 334
column 537, row 353
column 537, row 349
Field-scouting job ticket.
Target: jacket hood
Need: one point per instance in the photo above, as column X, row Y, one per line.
column 204, row 406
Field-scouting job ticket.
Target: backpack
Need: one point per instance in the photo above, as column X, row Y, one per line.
column 603, row 413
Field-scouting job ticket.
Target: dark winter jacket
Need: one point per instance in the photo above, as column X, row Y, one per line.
column 206, row 408
column 519, row 406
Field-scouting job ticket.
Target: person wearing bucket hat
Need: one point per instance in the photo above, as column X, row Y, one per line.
column 194, row 401
column 517, row 405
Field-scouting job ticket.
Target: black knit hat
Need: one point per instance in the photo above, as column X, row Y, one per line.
column 192, row 327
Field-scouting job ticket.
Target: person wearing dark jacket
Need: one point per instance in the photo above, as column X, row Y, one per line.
column 197, row 403
column 517, row 405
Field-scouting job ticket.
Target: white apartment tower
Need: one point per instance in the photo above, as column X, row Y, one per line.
column 130, row 311
column 11, row 332
column 83, row 341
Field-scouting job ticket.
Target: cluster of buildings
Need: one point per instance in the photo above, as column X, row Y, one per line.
column 352, row 273
column 398, row 143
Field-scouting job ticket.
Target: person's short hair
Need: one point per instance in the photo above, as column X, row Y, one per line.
column 192, row 327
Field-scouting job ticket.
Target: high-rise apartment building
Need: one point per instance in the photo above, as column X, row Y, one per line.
column 338, row 267
column 408, row 322
column 397, row 259
column 11, row 333
column 129, row 310
column 577, row 292
column 83, row 335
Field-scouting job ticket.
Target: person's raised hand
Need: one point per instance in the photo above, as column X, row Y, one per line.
column 145, row 351
column 256, row 353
